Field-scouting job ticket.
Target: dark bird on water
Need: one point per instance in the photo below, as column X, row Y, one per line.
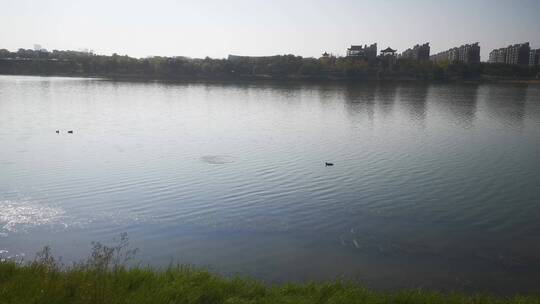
column 328, row 164
column 70, row 131
column 57, row 131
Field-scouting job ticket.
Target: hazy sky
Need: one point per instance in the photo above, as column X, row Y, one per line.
column 256, row 27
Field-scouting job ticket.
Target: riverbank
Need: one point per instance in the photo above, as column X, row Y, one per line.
column 291, row 80
column 43, row 283
column 104, row 278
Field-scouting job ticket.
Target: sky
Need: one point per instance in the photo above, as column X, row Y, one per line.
column 264, row 27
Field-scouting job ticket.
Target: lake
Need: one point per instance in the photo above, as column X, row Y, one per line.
column 433, row 185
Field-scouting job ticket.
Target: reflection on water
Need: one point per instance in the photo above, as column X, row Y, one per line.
column 217, row 159
column 360, row 100
column 386, row 97
column 20, row 215
column 459, row 102
column 507, row 105
column 414, row 99
column 433, row 186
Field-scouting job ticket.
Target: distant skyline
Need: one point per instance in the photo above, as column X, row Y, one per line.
column 254, row 27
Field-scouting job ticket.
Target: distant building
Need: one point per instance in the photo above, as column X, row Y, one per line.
column 388, row 52
column 517, row 54
column 418, row 52
column 534, row 57
column 468, row 53
column 388, row 57
column 363, row 52
column 497, row 56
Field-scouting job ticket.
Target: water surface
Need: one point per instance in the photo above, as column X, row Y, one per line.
column 434, row 186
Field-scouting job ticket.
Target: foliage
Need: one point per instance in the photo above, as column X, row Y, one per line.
column 74, row 63
column 514, row 71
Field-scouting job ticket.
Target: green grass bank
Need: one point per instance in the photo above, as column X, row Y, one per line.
column 104, row 278
column 38, row 283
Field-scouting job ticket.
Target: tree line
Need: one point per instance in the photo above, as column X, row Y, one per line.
column 76, row 63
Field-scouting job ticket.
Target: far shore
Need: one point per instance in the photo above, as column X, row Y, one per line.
column 290, row 79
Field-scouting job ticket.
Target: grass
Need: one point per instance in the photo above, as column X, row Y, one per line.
column 104, row 278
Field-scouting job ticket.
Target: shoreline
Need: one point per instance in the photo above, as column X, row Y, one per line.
column 100, row 280
column 288, row 79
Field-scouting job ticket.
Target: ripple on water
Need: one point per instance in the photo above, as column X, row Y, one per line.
column 21, row 215
column 217, row 159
